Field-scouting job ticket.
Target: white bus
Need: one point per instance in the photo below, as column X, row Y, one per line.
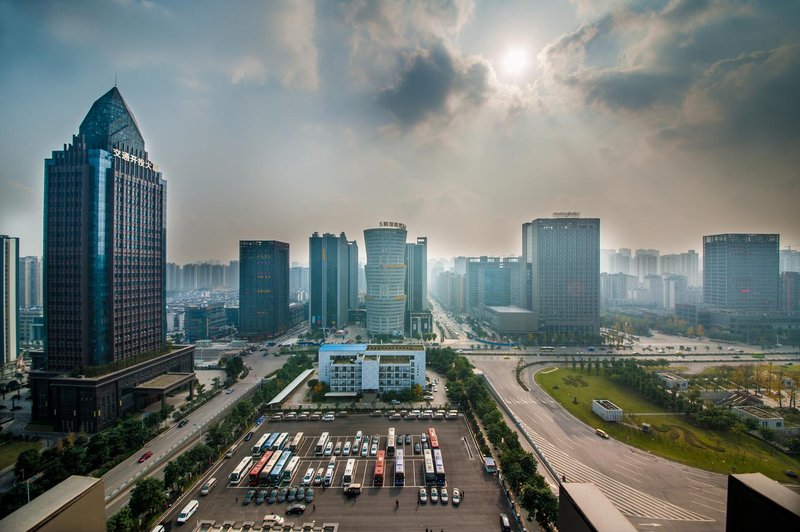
column 291, row 467
column 321, row 443
column 281, row 442
column 399, row 469
column 348, row 471
column 187, row 511
column 261, row 441
column 296, row 441
column 242, row 469
column 390, row 444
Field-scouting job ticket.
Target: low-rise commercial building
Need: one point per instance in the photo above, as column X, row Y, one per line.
column 606, row 410
column 510, row 319
column 371, row 367
column 765, row 418
column 673, row 381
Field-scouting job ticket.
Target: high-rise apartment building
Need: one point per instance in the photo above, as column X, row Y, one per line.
column 686, row 264
column 104, row 276
column 790, row 260
column 646, row 261
column 232, row 275
column 565, row 274
column 263, row 288
column 104, row 243
column 9, row 299
column 386, row 278
column 332, row 279
column 741, row 271
column 790, row 291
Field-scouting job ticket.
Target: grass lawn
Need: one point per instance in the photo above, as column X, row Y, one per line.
column 672, row 436
column 11, row 450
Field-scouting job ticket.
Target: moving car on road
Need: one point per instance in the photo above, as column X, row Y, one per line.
column 145, row 456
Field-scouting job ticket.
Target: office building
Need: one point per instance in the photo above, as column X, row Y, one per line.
column 419, row 319
column 205, row 322
column 357, row 368
column 263, row 288
column 104, row 243
column 492, row 281
column 386, row 278
column 332, row 278
column 31, row 326
column 9, row 300
column 565, row 273
column 104, row 277
column 790, row 292
column 741, row 271
column 30, row 282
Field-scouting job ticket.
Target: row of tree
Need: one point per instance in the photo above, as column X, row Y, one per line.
column 150, row 495
column 519, row 466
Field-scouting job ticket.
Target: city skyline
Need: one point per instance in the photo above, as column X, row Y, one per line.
column 643, row 116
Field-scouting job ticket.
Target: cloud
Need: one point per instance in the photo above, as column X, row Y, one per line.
column 248, row 69
column 688, row 68
column 437, row 84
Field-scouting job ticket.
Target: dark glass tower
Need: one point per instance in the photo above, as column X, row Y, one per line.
column 740, row 271
column 104, row 243
column 417, row 275
column 263, row 288
column 333, row 263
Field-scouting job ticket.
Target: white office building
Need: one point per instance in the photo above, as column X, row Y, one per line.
column 356, row 368
column 9, row 302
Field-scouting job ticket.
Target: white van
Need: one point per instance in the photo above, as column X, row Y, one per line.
column 230, row 452
column 188, row 511
column 159, row 528
column 208, row 486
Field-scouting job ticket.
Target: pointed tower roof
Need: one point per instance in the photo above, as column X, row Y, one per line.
column 110, row 122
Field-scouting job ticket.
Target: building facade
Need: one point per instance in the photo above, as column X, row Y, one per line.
column 30, row 282
column 386, row 278
column 371, row 367
column 104, row 243
column 333, row 279
column 565, row 274
column 740, row 271
column 9, row 299
column 205, row 322
column 263, row 288
column 492, row 281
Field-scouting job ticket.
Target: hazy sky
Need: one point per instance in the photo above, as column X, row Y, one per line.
column 668, row 120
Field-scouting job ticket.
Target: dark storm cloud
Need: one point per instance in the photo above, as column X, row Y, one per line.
column 436, row 84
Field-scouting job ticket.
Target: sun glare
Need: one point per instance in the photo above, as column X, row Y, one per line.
column 515, row 61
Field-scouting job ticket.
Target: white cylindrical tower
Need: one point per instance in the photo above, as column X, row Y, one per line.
column 386, row 277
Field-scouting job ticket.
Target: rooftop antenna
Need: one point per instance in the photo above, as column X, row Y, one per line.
column 115, row 79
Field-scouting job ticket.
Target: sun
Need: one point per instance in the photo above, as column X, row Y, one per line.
column 515, row 61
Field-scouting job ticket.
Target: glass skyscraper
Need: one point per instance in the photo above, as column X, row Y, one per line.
column 741, row 271
column 564, row 255
column 263, row 288
column 104, row 243
column 333, row 278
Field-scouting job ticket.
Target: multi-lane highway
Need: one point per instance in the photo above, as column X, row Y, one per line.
column 655, row 494
column 119, row 481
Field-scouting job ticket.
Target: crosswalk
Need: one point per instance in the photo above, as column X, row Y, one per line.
column 627, row 499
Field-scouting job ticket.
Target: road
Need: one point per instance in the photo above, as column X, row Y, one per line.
column 175, row 440
column 654, row 493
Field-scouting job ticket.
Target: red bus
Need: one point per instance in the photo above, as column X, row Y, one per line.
column 433, row 440
column 253, row 476
column 380, row 464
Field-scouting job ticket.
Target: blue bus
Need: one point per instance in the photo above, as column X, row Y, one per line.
column 268, row 444
column 276, row 476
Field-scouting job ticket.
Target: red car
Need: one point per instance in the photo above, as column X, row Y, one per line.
column 145, row 456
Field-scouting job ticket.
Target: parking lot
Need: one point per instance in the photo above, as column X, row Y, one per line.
column 387, row 507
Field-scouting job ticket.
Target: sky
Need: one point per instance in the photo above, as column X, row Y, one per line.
column 667, row 119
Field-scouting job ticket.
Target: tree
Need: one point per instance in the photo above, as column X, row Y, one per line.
column 122, row 521
column 30, row 462
column 147, row 497
column 700, row 330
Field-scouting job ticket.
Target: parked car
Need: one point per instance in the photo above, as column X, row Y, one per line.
column 417, row 448
column 261, row 497
column 456, row 498
column 423, row 496
column 443, row 496
column 282, row 494
column 434, row 495
column 272, row 496
column 408, row 439
column 290, row 496
column 272, row 519
column 309, row 495
column 248, row 497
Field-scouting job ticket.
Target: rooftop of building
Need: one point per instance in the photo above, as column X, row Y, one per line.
column 509, row 309
column 40, row 510
column 671, row 376
column 608, row 405
column 372, row 348
column 596, row 508
column 758, row 412
column 771, row 489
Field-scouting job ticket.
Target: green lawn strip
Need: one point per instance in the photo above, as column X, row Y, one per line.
column 671, row 436
column 11, row 450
